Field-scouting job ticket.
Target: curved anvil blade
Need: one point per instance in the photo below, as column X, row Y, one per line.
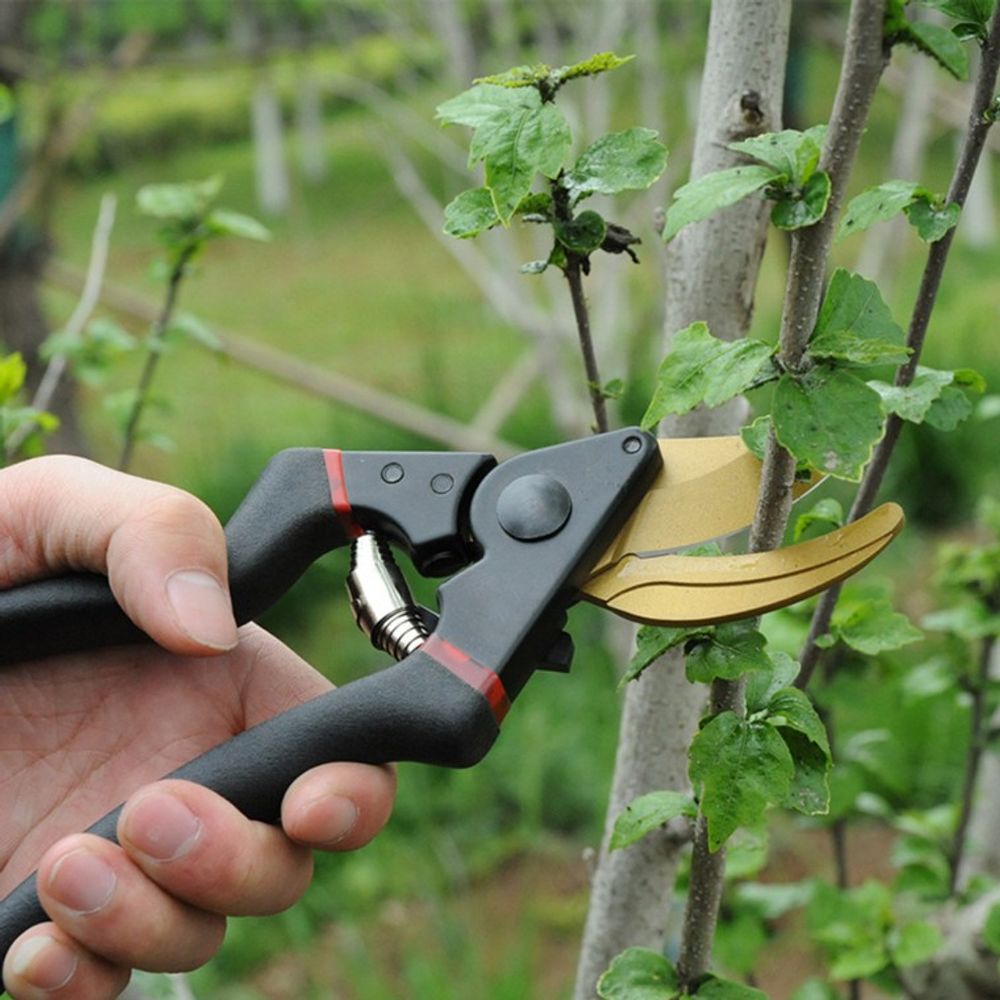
column 707, row 488
column 699, row 590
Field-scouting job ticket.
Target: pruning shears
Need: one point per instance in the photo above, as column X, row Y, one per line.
column 599, row 519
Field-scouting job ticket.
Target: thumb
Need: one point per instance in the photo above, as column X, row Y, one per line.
column 164, row 552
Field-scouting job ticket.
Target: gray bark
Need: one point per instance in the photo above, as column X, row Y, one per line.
column 711, row 274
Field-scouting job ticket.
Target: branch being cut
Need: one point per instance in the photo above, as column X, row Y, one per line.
column 979, row 124
column 864, row 59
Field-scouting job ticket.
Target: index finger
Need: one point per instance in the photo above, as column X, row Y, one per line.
column 164, row 551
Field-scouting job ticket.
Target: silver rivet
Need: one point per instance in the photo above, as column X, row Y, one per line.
column 392, row 473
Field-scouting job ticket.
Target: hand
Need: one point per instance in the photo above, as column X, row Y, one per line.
column 78, row 734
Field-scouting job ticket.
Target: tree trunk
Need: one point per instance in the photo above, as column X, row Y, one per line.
column 711, row 273
column 274, row 193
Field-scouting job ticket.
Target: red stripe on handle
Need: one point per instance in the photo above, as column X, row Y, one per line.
column 473, row 673
column 334, row 459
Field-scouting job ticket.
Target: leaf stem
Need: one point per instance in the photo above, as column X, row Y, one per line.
column 153, row 353
column 977, row 744
column 972, row 147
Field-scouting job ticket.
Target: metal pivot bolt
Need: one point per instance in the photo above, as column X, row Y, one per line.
column 380, row 599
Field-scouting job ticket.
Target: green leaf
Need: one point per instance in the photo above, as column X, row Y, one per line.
column 914, row 943
column 850, row 349
column 639, row 974
column 756, row 433
column 729, row 651
column 991, row 930
column 701, row 368
column 852, row 926
column 470, row 213
column 829, row 419
column 613, row 389
column 647, row 812
column 13, row 372
column 715, row 988
column 973, row 13
column 581, row 235
column 873, row 626
column 763, row 685
column 940, row 44
column 742, row 766
column 538, row 203
column 828, row 514
column 809, row 791
column 620, row 161
column 854, row 305
column 814, row 989
column 477, row 105
column 931, row 221
column 949, row 409
column 968, row 621
column 791, row 708
column 804, row 207
column 223, row 222
column 515, row 143
column 652, row 641
column 774, row 899
column 602, row 62
column 186, row 202
column 913, row 401
column 700, row 198
column 790, row 152
column 877, row 204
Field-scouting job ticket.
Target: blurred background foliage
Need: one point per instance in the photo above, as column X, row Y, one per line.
column 478, row 886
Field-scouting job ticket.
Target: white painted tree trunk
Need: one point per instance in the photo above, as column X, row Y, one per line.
column 711, row 274
column 274, row 192
column 309, row 126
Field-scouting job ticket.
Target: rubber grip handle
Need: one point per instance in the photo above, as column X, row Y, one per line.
column 415, row 711
column 286, row 522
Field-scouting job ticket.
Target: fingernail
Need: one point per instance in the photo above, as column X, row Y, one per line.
column 334, row 815
column 202, row 608
column 161, row 827
column 45, row 963
column 82, row 882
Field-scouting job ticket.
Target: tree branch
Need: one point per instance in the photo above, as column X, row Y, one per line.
column 711, row 275
column 979, row 123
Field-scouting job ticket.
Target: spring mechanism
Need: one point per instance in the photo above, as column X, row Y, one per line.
column 381, row 601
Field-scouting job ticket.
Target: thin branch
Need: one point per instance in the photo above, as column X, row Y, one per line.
column 574, row 278
column 972, row 147
column 978, row 724
column 154, row 350
column 85, row 306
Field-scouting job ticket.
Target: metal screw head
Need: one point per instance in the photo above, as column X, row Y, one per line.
column 632, row 445
column 392, row 473
column 442, row 483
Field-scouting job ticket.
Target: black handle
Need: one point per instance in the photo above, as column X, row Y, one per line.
column 286, row 521
column 416, row 711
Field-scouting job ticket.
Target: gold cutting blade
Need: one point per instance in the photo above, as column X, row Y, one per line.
column 706, row 489
column 698, row 590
